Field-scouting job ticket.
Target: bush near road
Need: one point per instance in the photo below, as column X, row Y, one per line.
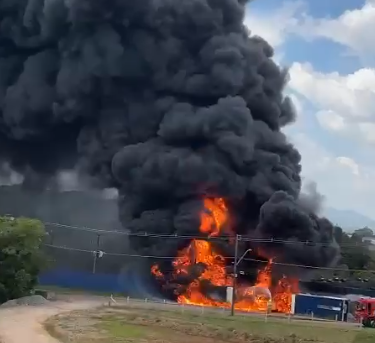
column 20, row 256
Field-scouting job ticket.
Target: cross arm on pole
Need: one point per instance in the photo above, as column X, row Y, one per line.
column 243, row 256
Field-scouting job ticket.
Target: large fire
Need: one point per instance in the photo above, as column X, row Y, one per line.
column 257, row 297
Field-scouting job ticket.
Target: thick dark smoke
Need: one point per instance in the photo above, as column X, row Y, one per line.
column 169, row 101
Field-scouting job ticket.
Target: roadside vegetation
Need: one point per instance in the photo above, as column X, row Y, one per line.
column 21, row 258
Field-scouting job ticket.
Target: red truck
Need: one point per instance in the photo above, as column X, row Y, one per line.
column 365, row 312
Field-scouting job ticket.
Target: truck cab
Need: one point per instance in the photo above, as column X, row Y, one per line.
column 365, row 312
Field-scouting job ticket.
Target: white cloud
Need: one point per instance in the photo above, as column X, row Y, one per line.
column 331, row 120
column 308, row 148
column 353, row 29
column 343, row 181
column 345, row 103
column 350, row 95
column 298, row 105
column 349, row 163
column 367, row 129
column 274, row 26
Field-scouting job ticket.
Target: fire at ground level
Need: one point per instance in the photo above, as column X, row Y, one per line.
column 200, row 275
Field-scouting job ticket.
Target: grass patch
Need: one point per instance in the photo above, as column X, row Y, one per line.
column 118, row 329
column 366, row 336
column 125, row 325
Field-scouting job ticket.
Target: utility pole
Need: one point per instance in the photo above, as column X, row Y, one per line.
column 237, row 261
column 96, row 255
column 235, row 276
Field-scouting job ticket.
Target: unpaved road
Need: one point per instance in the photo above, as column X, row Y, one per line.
column 24, row 324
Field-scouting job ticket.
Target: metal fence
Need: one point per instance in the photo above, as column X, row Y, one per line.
column 165, row 305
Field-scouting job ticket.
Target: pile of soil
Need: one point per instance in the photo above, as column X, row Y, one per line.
column 32, row 300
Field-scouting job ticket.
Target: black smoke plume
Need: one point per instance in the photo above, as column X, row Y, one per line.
column 169, row 101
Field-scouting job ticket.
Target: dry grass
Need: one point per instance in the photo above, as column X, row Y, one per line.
column 126, row 325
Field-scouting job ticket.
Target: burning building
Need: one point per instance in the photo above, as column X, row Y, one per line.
column 211, row 271
column 181, row 108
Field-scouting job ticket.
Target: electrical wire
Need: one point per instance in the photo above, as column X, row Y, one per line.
column 242, row 238
column 312, row 267
column 225, row 257
column 108, row 253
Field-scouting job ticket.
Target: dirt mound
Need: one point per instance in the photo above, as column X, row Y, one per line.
column 32, row 300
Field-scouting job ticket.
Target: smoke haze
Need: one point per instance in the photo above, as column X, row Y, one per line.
column 167, row 101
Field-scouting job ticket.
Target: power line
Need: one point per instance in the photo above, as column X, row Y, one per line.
column 108, row 254
column 244, row 238
column 68, row 248
column 225, row 257
column 311, row 267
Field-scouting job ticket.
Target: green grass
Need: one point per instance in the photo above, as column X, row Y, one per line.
column 275, row 328
column 118, row 329
column 367, row 336
column 281, row 328
column 145, row 325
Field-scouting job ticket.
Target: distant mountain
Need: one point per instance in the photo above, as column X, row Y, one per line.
column 349, row 220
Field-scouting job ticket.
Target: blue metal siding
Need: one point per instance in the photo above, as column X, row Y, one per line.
column 321, row 307
column 127, row 282
column 82, row 280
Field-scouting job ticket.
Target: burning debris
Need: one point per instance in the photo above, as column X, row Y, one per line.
column 180, row 108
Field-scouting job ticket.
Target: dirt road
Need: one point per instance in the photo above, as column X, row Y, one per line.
column 24, row 323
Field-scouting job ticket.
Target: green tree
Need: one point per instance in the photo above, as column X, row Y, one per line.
column 355, row 253
column 20, row 256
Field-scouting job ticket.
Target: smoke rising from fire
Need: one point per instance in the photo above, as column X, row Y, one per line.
column 168, row 101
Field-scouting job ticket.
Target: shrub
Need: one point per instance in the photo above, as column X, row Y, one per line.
column 20, row 256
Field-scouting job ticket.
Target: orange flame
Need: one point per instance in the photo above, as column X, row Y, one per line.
column 156, row 271
column 214, row 217
column 214, row 221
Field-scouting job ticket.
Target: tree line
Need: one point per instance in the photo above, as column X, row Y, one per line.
column 358, row 252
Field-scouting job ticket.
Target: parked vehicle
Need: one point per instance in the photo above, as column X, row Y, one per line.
column 365, row 312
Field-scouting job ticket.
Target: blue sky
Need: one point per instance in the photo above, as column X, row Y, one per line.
column 328, row 47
